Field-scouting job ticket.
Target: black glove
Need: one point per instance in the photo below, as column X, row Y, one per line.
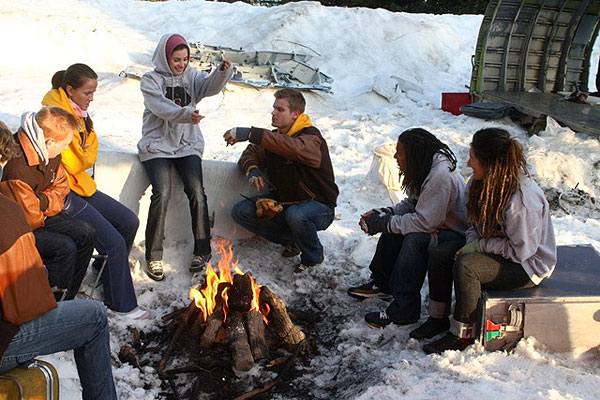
column 240, row 134
column 383, row 211
column 378, row 223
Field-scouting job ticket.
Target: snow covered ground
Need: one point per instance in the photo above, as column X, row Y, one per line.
column 355, row 45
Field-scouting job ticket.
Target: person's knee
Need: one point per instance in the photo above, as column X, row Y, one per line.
column 463, row 268
column 243, row 211
column 296, row 217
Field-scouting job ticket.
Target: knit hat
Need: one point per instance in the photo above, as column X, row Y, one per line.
column 174, row 41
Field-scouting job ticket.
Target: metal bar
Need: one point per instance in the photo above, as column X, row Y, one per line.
column 507, row 43
column 525, row 52
column 559, row 83
column 484, row 34
column 546, row 57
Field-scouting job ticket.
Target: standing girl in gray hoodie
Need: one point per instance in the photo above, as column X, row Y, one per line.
column 510, row 241
column 171, row 137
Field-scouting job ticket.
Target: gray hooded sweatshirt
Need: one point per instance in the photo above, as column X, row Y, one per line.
column 529, row 235
column 439, row 206
column 167, row 129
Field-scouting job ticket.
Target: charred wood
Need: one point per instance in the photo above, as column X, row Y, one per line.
column 279, row 320
column 238, row 342
column 255, row 326
column 240, row 294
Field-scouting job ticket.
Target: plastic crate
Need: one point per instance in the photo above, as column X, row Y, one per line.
column 452, row 102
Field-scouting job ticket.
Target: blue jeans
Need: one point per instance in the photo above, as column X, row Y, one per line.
column 190, row 171
column 80, row 325
column 116, row 226
column 65, row 245
column 399, row 267
column 297, row 224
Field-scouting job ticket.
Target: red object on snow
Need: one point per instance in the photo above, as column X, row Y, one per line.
column 452, row 102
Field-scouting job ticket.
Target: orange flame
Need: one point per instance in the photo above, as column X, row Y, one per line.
column 206, row 297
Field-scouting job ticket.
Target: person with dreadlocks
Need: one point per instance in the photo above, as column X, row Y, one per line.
column 432, row 214
column 510, row 239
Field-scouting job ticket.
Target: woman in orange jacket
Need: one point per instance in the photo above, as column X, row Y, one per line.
column 73, row 89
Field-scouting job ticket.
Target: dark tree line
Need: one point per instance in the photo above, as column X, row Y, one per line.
column 412, row 6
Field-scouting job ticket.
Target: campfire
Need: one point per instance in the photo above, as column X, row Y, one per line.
column 230, row 308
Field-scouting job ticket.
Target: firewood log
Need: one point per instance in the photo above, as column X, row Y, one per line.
column 214, row 322
column 255, row 326
column 238, row 342
column 279, row 320
column 240, row 294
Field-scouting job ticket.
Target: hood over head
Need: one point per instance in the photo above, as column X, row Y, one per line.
column 164, row 49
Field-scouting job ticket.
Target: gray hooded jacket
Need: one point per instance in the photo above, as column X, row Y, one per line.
column 439, row 206
column 167, row 129
column 529, row 233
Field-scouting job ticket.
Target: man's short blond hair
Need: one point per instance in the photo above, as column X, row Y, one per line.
column 56, row 122
column 294, row 98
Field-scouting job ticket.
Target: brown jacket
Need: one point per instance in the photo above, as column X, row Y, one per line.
column 39, row 189
column 25, row 293
column 299, row 166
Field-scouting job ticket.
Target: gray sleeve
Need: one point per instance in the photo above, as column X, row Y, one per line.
column 208, row 85
column 431, row 208
column 523, row 230
column 159, row 105
column 405, row 206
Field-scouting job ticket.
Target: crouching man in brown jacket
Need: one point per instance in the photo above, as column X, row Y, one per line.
column 294, row 158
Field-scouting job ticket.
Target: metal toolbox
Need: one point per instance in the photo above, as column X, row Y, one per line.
column 38, row 380
column 563, row 312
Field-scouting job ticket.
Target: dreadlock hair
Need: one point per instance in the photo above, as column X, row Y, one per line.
column 9, row 148
column 503, row 161
column 420, row 147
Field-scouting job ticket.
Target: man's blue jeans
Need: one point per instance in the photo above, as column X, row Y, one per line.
column 190, row 171
column 115, row 227
column 399, row 267
column 80, row 325
column 297, row 224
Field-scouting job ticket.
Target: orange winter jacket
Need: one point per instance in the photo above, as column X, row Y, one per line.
column 39, row 189
column 25, row 293
column 82, row 152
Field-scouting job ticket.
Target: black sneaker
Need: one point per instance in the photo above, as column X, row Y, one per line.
column 199, row 263
column 154, row 269
column 378, row 319
column 368, row 290
column 290, row 251
column 448, row 342
column 432, row 327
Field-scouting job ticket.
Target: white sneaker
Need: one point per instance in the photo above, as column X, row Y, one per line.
column 136, row 313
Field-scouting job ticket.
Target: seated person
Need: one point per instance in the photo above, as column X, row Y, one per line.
column 171, row 137
column 510, row 240
column 296, row 161
column 431, row 215
column 37, row 181
column 31, row 323
column 115, row 225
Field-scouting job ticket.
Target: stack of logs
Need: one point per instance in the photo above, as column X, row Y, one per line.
column 243, row 330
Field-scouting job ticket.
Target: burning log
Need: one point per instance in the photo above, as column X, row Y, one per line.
column 215, row 320
column 238, row 342
column 240, row 294
column 255, row 326
column 279, row 320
